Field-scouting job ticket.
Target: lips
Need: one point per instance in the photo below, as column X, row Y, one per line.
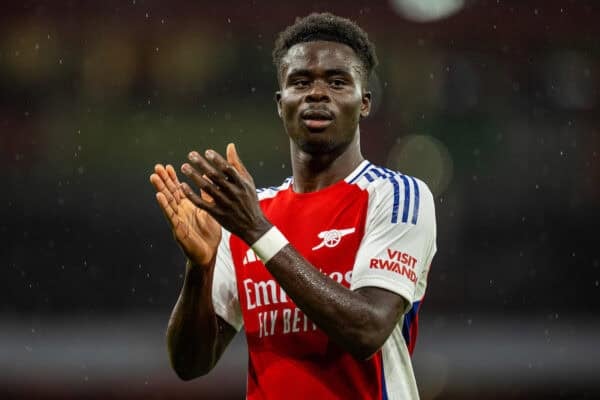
column 316, row 119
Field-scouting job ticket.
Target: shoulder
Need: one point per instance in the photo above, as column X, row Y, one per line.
column 270, row 192
column 403, row 197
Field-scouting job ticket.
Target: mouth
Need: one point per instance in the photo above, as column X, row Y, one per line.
column 316, row 120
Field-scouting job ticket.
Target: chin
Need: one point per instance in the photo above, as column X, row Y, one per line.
column 318, row 146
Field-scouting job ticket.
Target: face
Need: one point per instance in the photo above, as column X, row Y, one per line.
column 322, row 97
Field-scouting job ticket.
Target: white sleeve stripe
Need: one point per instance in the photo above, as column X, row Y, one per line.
column 352, row 179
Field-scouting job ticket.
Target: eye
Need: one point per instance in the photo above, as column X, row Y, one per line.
column 300, row 83
column 337, row 83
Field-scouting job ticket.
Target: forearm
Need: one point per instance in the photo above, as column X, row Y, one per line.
column 192, row 333
column 357, row 322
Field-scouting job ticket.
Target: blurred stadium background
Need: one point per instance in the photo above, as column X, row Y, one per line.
column 494, row 103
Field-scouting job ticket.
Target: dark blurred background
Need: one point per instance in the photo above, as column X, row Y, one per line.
column 493, row 103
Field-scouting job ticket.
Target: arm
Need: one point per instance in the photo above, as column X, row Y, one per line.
column 196, row 336
column 359, row 321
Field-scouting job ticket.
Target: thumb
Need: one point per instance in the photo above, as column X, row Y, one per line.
column 234, row 159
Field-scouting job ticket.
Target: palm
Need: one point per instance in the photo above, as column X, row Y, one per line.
column 196, row 231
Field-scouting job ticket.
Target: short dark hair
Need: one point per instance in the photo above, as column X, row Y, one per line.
column 328, row 27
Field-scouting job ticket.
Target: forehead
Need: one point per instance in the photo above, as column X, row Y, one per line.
column 320, row 55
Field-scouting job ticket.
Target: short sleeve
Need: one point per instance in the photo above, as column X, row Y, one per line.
column 399, row 241
column 224, row 288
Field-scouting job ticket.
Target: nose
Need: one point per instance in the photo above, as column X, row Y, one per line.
column 319, row 92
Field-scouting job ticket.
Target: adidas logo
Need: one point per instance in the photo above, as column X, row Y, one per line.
column 250, row 257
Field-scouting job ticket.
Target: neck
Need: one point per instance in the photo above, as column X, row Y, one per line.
column 314, row 172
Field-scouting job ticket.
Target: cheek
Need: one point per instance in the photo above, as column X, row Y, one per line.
column 289, row 105
column 351, row 107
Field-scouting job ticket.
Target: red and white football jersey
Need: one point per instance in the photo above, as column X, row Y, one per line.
column 374, row 228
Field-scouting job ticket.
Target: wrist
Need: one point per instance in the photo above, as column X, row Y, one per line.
column 250, row 236
column 269, row 244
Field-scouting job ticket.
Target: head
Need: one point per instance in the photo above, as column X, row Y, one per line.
column 323, row 65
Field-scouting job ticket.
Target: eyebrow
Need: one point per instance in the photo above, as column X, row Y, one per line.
column 329, row 72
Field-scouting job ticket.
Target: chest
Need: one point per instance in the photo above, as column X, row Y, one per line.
column 326, row 230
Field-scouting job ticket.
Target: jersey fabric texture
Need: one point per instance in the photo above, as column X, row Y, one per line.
column 374, row 228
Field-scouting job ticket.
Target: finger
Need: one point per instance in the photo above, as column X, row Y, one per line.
column 234, row 159
column 228, row 170
column 166, row 209
column 157, row 182
column 201, row 164
column 160, row 186
column 173, row 175
column 180, row 230
column 169, row 183
column 205, row 196
column 204, row 183
column 197, row 200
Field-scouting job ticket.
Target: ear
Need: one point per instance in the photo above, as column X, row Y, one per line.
column 278, row 101
column 365, row 107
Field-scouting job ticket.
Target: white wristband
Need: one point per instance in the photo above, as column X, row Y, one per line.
column 269, row 244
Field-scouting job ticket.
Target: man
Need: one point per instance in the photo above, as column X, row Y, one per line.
column 325, row 272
